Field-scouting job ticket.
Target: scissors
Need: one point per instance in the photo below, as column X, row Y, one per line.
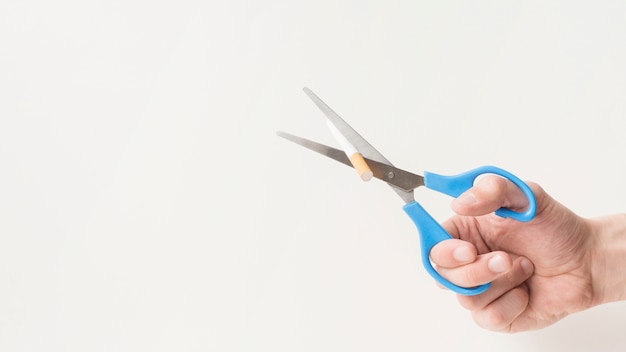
column 404, row 183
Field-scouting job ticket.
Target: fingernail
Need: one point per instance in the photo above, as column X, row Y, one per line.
column 527, row 266
column 497, row 264
column 466, row 198
column 462, row 254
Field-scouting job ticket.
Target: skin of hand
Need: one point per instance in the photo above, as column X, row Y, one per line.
column 541, row 271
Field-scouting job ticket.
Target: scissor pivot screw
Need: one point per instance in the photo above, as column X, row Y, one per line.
column 390, row 175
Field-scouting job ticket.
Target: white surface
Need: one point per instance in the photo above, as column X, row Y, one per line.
column 146, row 203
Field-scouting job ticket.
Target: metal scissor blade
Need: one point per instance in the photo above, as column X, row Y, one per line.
column 362, row 145
column 399, row 179
column 330, row 152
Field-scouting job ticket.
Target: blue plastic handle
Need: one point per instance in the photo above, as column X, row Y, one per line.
column 431, row 231
column 457, row 184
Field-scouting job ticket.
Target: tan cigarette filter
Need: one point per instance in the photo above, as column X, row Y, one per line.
column 361, row 167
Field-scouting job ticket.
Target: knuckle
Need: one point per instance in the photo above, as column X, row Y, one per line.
column 495, row 184
column 472, row 276
column 491, row 318
column 499, row 315
column 537, row 189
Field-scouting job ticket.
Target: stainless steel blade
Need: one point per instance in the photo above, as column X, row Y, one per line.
column 330, row 152
column 399, row 179
column 360, row 143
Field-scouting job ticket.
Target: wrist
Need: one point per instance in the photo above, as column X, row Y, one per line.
column 609, row 259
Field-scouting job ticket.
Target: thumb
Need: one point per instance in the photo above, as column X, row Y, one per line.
column 489, row 194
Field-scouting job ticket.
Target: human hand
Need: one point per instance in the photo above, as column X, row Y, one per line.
column 541, row 270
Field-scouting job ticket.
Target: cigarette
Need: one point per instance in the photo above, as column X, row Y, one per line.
column 353, row 154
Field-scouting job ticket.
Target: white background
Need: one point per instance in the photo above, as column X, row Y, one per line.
column 146, row 203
